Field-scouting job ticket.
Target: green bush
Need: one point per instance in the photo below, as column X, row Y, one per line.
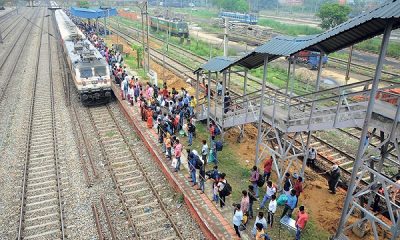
column 289, row 29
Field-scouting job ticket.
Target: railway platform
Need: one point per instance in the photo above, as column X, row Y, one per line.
column 213, row 224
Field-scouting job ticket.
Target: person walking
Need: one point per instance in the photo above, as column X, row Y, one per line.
column 271, row 190
column 259, row 219
column 271, row 210
column 237, row 219
column 267, row 168
column 178, row 152
column 191, row 130
column 298, row 186
column 290, row 204
column 334, row 178
column 192, row 168
column 288, row 184
column 168, row 145
column 255, row 175
column 301, row 221
column 204, row 151
column 202, row 178
column 252, row 198
column 245, row 202
column 221, row 186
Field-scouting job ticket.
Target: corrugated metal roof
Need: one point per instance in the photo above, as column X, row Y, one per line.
column 216, row 64
column 93, row 12
column 353, row 31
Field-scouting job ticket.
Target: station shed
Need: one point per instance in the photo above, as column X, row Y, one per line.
column 370, row 104
column 94, row 13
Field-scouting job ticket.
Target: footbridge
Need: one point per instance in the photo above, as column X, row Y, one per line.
column 283, row 116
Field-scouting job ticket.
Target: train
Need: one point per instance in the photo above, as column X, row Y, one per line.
column 176, row 27
column 89, row 69
column 240, row 17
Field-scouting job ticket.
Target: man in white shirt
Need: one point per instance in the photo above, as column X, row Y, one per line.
column 271, row 210
column 204, row 151
column 312, row 156
column 237, row 219
column 271, row 190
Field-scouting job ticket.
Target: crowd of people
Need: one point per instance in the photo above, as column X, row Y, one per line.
column 288, row 200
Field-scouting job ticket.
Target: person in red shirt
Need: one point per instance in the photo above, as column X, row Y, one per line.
column 301, row 221
column 267, row 168
column 298, row 186
column 178, row 152
column 212, row 130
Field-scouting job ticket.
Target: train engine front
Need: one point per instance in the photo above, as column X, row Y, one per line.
column 89, row 69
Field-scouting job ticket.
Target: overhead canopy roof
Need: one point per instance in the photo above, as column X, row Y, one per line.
column 216, row 64
column 355, row 30
column 93, row 12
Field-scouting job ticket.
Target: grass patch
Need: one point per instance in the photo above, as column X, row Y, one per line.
column 374, row 44
column 110, row 133
column 289, row 29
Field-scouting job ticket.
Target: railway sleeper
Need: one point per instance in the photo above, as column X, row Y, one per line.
column 154, row 213
column 51, row 234
column 130, row 179
column 137, row 189
column 159, row 232
column 148, row 204
column 126, row 162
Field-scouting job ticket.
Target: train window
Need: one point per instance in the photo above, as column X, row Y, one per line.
column 100, row 71
column 86, row 72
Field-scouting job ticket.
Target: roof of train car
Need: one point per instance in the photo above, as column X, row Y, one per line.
column 67, row 27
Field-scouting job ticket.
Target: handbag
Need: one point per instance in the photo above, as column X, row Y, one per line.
column 174, row 162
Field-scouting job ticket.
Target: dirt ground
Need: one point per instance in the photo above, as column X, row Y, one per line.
column 323, row 207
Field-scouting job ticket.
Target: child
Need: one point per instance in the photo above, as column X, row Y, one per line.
column 215, row 192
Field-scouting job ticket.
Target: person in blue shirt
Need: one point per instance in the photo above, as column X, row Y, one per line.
column 290, row 204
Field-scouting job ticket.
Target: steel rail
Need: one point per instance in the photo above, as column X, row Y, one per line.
column 113, row 178
column 97, row 222
column 139, row 163
column 29, row 138
column 14, row 65
column 108, row 219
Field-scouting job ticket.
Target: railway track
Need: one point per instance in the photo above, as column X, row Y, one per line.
column 41, row 211
column 147, row 213
column 103, row 220
column 9, row 64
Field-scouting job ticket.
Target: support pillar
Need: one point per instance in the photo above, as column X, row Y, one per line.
column 208, row 99
column 260, row 117
column 197, row 86
column 317, row 84
column 358, row 159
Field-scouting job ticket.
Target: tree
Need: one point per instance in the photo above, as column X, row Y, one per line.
column 83, row 4
column 333, row 14
column 232, row 5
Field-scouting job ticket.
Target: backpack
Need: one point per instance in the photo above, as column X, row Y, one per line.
column 218, row 145
column 199, row 163
column 282, row 200
column 217, row 131
column 227, row 190
column 261, row 180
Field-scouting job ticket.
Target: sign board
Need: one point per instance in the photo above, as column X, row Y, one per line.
column 153, row 77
